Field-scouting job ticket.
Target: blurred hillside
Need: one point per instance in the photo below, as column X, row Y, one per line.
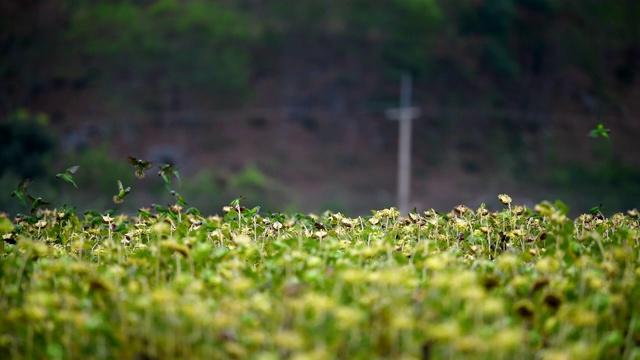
column 284, row 101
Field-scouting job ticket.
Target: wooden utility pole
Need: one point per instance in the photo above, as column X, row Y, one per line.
column 404, row 114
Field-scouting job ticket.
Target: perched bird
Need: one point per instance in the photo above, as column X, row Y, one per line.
column 140, row 166
column 36, row 203
column 166, row 171
column 193, row 211
column 66, row 176
column 122, row 192
column 21, row 191
column 145, row 213
column 178, row 197
column 596, row 211
column 165, row 211
column 159, row 208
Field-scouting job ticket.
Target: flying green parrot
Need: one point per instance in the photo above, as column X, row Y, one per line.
column 166, row 171
column 599, row 131
column 122, row 192
column 66, row 175
column 21, row 191
column 178, row 197
column 140, row 166
column 36, row 203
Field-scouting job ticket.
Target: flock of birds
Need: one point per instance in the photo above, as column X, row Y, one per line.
column 167, row 171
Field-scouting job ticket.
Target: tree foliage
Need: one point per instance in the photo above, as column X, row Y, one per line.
column 25, row 142
column 217, row 46
column 165, row 44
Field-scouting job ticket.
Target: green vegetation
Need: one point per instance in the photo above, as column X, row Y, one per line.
column 156, row 53
column 191, row 44
column 168, row 281
column 25, row 144
column 174, row 283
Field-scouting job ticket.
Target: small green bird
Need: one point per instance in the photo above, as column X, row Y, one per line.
column 144, row 213
column 36, row 203
column 596, row 211
column 166, row 171
column 599, row 131
column 178, row 197
column 21, row 191
column 193, row 211
column 122, row 192
column 140, row 166
column 159, row 208
column 66, row 176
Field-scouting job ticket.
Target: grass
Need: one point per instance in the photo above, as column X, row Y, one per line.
column 173, row 283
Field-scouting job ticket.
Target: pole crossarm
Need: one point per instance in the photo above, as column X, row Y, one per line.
column 404, row 114
column 401, row 114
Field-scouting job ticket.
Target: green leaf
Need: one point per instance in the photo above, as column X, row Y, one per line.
column 564, row 209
